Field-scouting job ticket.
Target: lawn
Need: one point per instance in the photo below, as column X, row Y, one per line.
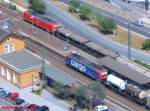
column 122, row 37
column 142, row 64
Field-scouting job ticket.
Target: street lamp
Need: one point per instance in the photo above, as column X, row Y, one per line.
column 48, row 35
column 67, row 42
column 129, row 40
column 53, row 34
column 137, row 23
column 32, row 82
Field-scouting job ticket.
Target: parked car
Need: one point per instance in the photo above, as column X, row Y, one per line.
column 43, row 108
column 1, row 90
column 138, row 23
column 19, row 101
column 5, row 94
column 101, row 108
column 22, row 107
column 8, row 93
column 13, row 96
column 32, row 107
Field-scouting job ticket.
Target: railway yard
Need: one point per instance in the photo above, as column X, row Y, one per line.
column 38, row 40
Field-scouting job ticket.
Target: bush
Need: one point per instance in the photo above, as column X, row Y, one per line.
column 81, row 97
column 63, row 93
column 13, row 7
column 74, row 6
column 72, row 9
column 106, row 26
column 38, row 6
column 146, row 44
column 85, row 13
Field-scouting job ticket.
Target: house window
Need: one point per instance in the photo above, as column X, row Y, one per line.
column 6, row 49
column 8, row 75
column 9, row 48
column 14, row 78
column 4, row 71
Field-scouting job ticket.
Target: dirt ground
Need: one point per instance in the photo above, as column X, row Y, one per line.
column 21, row 3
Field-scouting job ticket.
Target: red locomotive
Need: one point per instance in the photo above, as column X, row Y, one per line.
column 42, row 21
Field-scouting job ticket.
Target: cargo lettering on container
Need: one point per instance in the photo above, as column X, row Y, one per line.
column 79, row 66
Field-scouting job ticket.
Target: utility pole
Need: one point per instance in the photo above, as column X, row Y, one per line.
column 129, row 41
column 146, row 5
column 43, row 68
column 67, row 42
column 32, row 82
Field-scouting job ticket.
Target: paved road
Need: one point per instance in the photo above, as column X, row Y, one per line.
column 145, row 31
column 82, row 29
column 4, row 103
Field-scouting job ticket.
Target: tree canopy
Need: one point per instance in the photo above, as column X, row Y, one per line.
column 38, row 6
column 146, row 44
column 90, row 95
column 74, row 5
column 97, row 89
column 106, row 26
column 85, row 13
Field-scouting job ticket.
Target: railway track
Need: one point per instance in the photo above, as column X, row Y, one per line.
column 10, row 12
column 58, row 61
column 62, row 36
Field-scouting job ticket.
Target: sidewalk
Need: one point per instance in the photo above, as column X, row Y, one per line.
column 47, row 99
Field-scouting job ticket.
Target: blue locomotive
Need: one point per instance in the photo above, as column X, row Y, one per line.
column 87, row 67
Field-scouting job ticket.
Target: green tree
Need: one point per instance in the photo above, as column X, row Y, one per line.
column 13, row 7
column 81, row 96
column 63, row 93
column 85, row 13
column 146, row 44
column 97, row 89
column 74, row 5
column 38, row 6
column 106, row 26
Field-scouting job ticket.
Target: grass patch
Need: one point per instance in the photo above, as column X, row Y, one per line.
column 38, row 92
column 122, row 37
column 60, row 5
column 142, row 64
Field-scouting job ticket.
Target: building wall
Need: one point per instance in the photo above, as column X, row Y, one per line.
column 18, row 43
column 8, row 74
column 25, row 79
column 21, row 80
